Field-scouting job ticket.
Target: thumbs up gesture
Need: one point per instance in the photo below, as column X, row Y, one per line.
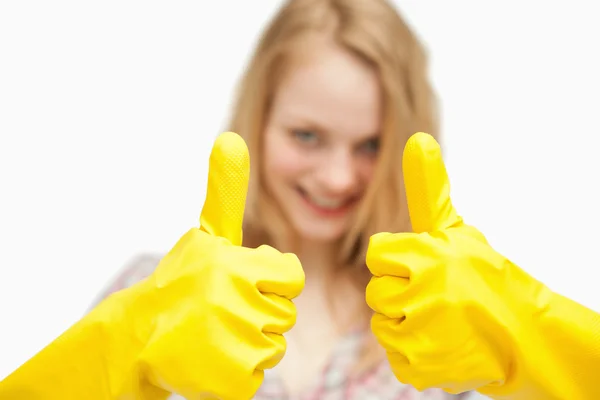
column 219, row 310
column 204, row 325
column 450, row 311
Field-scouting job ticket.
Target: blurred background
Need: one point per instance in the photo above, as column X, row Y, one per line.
column 108, row 111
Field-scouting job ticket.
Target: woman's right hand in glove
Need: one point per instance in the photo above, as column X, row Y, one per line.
column 204, row 325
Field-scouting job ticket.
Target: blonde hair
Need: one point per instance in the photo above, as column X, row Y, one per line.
column 375, row 32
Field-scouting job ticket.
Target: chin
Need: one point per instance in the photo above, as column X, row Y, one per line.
column 321, row 234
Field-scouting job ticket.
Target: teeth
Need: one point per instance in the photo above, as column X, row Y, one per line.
column 327, row 203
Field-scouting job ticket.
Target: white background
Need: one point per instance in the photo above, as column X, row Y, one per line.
column 108, row 111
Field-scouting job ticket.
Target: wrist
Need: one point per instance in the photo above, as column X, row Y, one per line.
column 551, row 350
column 125, row 322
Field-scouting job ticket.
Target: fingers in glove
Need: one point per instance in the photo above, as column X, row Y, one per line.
column 404, row 255
column 272, row 271
column 387, row 295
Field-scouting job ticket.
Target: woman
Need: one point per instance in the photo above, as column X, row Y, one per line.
column 328, row 101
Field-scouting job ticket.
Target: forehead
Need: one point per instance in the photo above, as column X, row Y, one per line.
column 331, row 90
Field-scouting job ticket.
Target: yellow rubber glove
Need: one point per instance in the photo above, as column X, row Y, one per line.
column 454, row 314
column 205, row 324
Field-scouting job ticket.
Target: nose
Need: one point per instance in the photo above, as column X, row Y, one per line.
column 337, row 175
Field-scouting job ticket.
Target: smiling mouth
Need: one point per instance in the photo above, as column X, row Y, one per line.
column 328, row 207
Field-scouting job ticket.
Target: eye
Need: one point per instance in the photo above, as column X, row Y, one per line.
column 370, row 147
column 305, row 136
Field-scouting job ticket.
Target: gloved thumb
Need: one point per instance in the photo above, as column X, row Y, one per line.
column 427, row 185
column 228, row 174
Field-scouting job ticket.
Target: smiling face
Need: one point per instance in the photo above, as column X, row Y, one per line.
column 321, row 141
